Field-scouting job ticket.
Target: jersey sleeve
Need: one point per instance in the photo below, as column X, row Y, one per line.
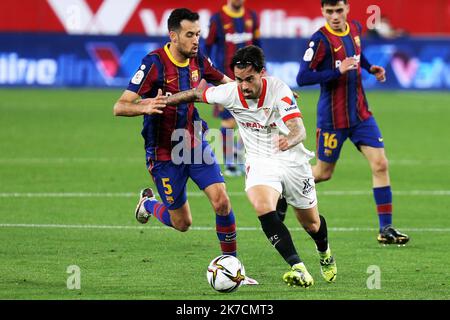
column 314, row 55
column 286, row 103
column 210, row 73
column 223, row 94
column 145, row 77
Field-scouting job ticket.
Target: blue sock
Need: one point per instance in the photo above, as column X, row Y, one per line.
column 383, row 200
column 226, row 232
column 159, row 211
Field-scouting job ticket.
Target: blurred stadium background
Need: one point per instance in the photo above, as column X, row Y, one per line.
column 70, row 172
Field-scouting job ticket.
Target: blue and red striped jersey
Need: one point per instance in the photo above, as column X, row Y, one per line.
column 228, row 32
column 159, row 70
column 342, row 102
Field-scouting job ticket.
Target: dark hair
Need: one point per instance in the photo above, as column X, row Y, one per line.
column 178, row 15
column 248, row 56
column 332, row 2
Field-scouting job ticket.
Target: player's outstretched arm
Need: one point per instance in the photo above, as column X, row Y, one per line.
column 297, row 134
column 130, row 104
column 193, row 95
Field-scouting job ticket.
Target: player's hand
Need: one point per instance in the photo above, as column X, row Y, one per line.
column 378, row 72
column 281, row 143
column 348, row 64
column 202, row 86
column 154, row 105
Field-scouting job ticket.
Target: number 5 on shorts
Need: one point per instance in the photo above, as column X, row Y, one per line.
column 167, row 186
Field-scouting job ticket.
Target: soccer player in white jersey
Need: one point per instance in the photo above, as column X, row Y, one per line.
column 277, row 163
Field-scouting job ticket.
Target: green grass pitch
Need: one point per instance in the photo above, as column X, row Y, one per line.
column 70, row 174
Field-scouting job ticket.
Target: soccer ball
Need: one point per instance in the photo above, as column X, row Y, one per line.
column 225, row 273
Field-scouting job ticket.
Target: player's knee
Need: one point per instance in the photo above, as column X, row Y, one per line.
column 262, row 207
column 221, row 204
column 312, row 227
column 323, row 176
column 182, row 225
column 380, row 165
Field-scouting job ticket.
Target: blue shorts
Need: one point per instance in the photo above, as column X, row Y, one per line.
column 330, row 142
column 171, row 179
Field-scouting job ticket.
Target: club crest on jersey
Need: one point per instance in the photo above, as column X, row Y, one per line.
column 194, row 76
column 357, row 41
column 249, row 23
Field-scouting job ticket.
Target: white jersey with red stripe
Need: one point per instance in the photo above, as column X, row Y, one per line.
column 261, row 120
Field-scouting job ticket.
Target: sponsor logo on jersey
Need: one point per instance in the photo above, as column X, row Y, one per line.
column 256, row 125
column 238, row 38
column 291, row 108
column 339, row 62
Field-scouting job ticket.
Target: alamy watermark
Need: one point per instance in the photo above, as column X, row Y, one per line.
column 374, row 280
column 374, row 20
column 187, row 145
column 74, row 279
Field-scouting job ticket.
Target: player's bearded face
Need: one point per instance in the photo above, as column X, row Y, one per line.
column 336, row 16
column 188, row 38
column 249, row 82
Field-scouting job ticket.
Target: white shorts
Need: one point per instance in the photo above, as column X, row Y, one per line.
column 294, row 182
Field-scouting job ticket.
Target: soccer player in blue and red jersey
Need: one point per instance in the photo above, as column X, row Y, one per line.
column 230, row 29
column 176, row 67
column 334, row 59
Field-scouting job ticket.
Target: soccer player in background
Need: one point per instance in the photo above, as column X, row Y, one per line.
column 334, row 59
column 232, row 28
column 175, row 67
column 277, row 163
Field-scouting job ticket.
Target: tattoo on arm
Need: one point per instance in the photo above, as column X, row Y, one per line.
column 192, row 95
column 297, row 132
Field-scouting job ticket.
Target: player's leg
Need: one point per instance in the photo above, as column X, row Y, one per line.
column 383, row 195
column 282, row 207
column 264, row 199
column 208, row 178
column 316, row 226
column 173, row 210
column 225, row 220
column 329, row 144
column 300, row 193
column 367, row 137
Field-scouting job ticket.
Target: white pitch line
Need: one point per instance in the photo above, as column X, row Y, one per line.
column 200, row 228
column 201, row 194
column 63, row 160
